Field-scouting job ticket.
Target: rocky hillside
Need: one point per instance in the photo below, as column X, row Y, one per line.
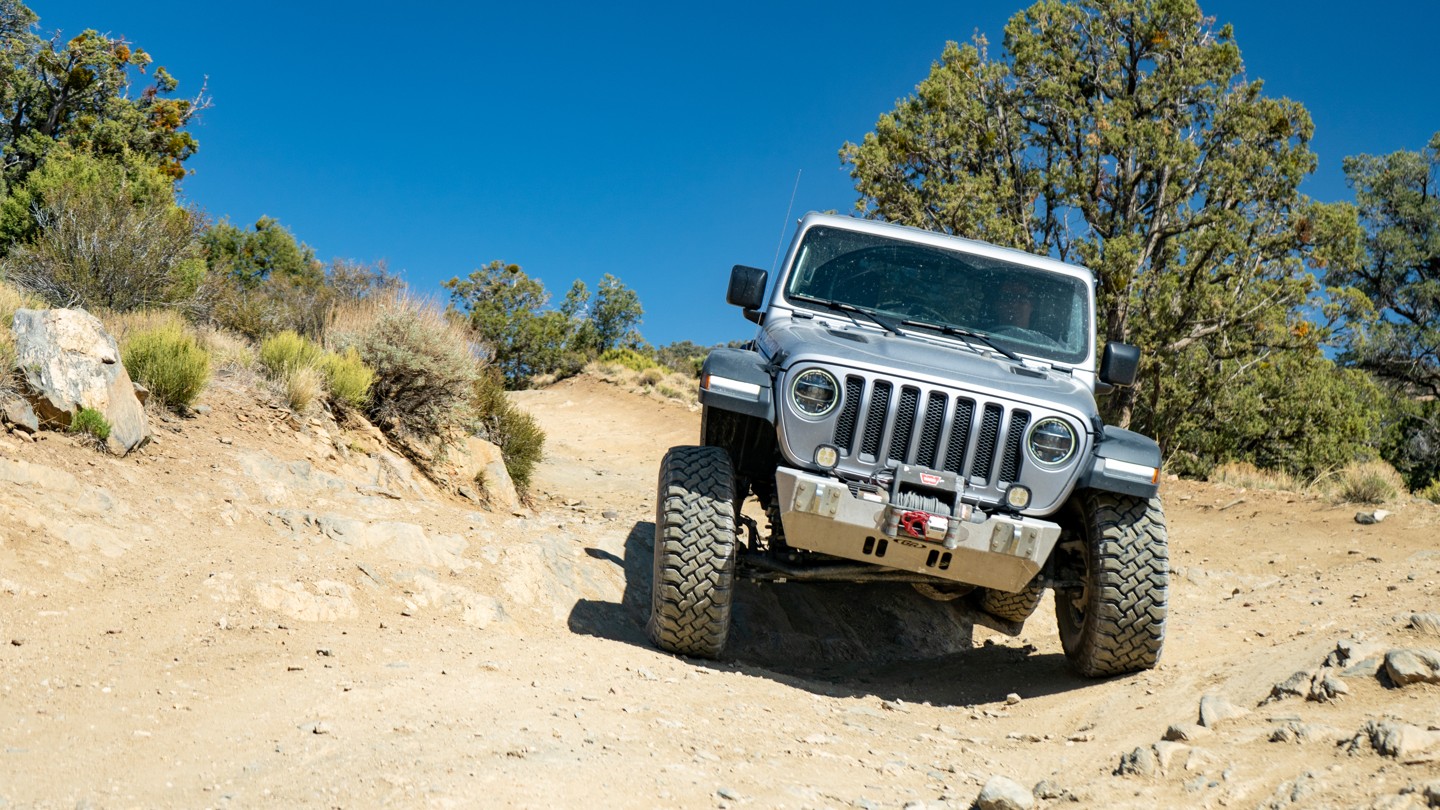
column 258, row 609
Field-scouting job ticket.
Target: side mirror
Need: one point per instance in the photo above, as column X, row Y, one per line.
column 1119, row 363
column 747, row 287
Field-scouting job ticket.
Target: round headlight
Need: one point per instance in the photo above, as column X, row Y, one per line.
column 814, row 392
column 1052, row 441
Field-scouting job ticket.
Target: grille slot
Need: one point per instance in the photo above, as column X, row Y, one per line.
column 985, row 447
column 930, row 435
column 959, row 436
column 875, row 420
column 850, row 414
column 904, row 424
column 1010, row 467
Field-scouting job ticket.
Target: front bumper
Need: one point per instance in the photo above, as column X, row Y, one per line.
column 820, row 514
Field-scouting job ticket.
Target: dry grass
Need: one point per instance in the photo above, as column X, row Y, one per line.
column 121, row 325
column 1370, row 482
column 653, row 382
column 1248, row 476
column 302, row 387
column 229, row 351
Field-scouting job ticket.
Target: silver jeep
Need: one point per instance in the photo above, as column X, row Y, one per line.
column 918, row 408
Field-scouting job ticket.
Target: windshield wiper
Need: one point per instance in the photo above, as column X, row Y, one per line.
column 965, row 335
column 840, row 306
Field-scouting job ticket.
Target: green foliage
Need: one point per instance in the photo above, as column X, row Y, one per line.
column 1293, row 412
column 347, row 377
column 516, row 433
column 81, row 93
column 424, row 370
column 169, row 362
column 90, row 422
column 1159, row 165
column 1431, row 492
column 252, row 256
column 510, row 313
column 104, row 235
column 683, row 356
column 287, row 351
column 629, row 358
column 1398, row 197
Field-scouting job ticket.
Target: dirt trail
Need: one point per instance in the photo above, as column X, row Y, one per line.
column 233, row 619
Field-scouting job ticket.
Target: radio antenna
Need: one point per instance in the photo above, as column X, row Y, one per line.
column 780, row 240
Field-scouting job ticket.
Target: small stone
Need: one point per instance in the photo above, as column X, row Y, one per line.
column 1140, row 762
column 727, row 794
column 1049, row 790
column 200, row 410
column 1186, row 732
column 610, row 514
column 1011, row 699
column 226, row 440
column 1294, row 686
column 1215, row 708
column 1371, row 518
column 1412, row 666
column 1002, row 793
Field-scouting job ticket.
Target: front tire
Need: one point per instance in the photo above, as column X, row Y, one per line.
column 695, row 550
column 1116, row 622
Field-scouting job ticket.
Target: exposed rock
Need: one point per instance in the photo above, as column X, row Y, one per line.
column 17, row 412
column 1296, row 732
column 1348, row 651
column 1392, row 738
column 1428, row 623
column 1412, row 666
column 1294, row 686
column 1364, row 668
column 70, row 362
column 1000, row 793
column 1167, row 752
column 1186, row 732
column 1049, row 790
column 1297, row 790
column 1432, row 793
column 1326, row 686
column 1371, row 518
column 479, row 460
column 1215, row 708
column 1140, row 762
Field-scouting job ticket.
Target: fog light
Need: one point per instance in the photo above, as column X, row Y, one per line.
column 1017, row 497
column 827, row 456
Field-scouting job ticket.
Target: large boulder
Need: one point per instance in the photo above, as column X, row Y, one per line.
column 70, row 362
column 477, row 457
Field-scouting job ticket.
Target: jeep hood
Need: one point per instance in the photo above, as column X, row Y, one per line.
column 923, row 355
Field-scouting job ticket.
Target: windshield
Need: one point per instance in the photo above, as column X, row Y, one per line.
column 1029, row 311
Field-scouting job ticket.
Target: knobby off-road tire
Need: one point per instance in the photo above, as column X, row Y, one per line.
column 1116, row 624
column 1012, row 607
column 695, row 548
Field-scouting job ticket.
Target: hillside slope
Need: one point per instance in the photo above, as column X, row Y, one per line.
column 262, row 611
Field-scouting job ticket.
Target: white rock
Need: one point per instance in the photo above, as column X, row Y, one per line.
column 1001, row 793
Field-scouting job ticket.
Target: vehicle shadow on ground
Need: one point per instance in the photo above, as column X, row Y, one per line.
column 840, row 640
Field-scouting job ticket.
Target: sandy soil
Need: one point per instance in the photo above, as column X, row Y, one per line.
column 256, row 612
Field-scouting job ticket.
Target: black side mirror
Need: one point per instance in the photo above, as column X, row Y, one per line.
column 1119, row 363
column 747, row 287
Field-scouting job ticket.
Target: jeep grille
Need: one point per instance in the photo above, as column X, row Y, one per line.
column 932, row 428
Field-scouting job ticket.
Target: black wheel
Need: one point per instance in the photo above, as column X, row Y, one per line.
column 695, row 548
column 1012, row 607
column 1116, row 622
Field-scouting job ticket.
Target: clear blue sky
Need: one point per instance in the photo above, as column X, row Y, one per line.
column 658, row 142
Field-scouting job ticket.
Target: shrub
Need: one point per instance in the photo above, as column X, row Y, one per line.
column 516, row 433
column 629, row 358
column 91, row 422
column 425, row 372
column 1367, row 482
column 1431, row 492
column 287, row 351
column 169, row 362
column 228, row 350
column 651, row 376
column 347, row 377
